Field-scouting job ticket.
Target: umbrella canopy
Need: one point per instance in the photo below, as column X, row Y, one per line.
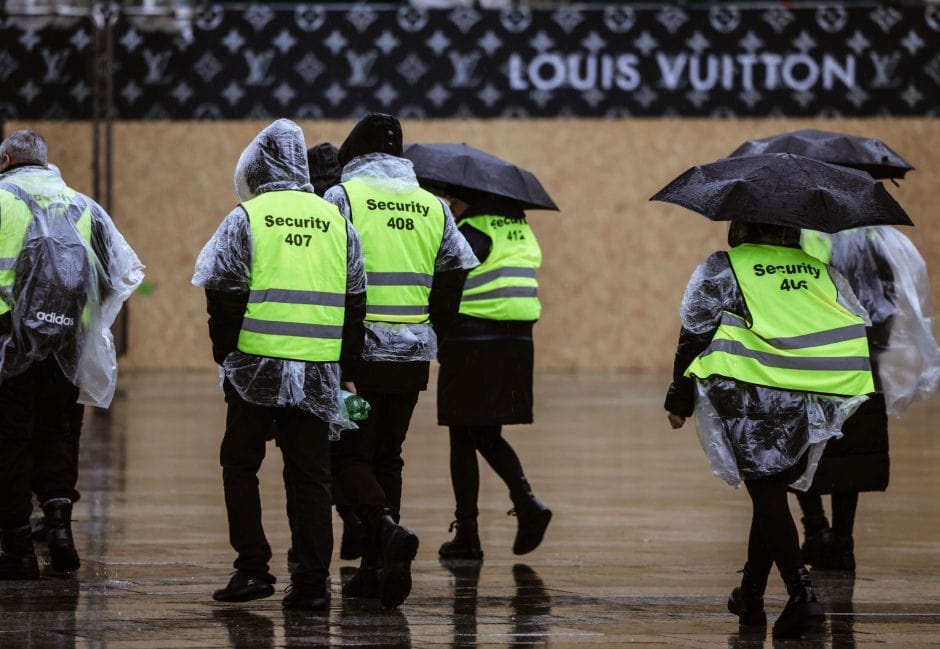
column 784, row 189
column 442, row 164
column 865, row 153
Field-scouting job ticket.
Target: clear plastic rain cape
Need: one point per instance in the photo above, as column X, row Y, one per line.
column 889, row 276
column 750, row 431
column 68, row 286
column 399, row 342
column 275, row 160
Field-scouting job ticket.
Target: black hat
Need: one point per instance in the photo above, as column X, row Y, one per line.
column 324, row 166
column 375, row 133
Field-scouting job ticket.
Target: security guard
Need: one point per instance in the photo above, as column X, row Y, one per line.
column 774, row 343
column 65, row 270
column 285, row 288
column 487, row 358
column 416, row 262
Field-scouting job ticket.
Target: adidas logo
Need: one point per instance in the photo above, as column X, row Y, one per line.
column 55, row 318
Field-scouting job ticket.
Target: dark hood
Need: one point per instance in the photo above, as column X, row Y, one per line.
column 375, row 133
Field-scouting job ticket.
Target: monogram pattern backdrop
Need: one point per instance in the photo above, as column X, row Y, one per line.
column 314, row 61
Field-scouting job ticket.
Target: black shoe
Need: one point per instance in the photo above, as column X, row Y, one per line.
column 803, row 612
column 244, row 588
column 365, row 583
column 747, row 600
column 465, row 546
column 533, row 518
column 17, row 555
column 58, row 516
column 304, row 597
column 399, row 547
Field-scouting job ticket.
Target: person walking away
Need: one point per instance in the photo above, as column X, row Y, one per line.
column 889, row 277
column 65, row 272
column 486, row 356
column 325, row 172
column 416, row 262
column 285, row 293
column 765, row 415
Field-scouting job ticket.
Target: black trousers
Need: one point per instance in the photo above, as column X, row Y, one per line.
column 773, row 537
column 40, row 427
column 465, row 441
column 304, row 443
column 367, row 463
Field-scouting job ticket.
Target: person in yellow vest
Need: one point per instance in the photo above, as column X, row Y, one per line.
column 889, row 277
column 65, row 272
column 285, row 291
column 486, row 355
column 416, row 262
column 773, row 356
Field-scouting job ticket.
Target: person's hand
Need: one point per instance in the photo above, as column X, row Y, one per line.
column 349, row 386
column 676, row 421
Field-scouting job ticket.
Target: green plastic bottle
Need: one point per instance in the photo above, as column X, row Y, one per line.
column 356, row 407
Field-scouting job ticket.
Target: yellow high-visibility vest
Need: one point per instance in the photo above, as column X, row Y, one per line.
column 799, row 337
column 401, row 235
column 297, row 288
column 504, row 287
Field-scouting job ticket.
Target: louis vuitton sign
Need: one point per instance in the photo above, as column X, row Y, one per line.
column 310, row 61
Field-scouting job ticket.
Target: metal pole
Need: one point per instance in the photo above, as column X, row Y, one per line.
column 110, row 19
column 97, row 20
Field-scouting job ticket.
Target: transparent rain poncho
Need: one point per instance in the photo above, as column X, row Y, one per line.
column 750, row 431
column 898, row 299
column 67, row 291
column 400, row 342
column 275, row 160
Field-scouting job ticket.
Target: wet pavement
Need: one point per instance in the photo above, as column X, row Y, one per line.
column 642, row 551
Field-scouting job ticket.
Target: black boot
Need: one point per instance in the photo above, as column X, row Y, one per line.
column 465, row 544
column 398, row 546
column 802, row 612
column 17, row 555
column 747, row 600
column 58, row 513
column 533, row 517
column 816, row 536
column 840, row 553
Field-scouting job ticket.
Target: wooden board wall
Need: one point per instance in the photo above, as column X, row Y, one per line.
column 615, row 264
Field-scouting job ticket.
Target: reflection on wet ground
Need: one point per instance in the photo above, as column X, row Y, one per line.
column 642, row 551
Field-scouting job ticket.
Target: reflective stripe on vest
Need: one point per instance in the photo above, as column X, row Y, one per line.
column 17, row 207
column 401, row 236
column 297, row 292
column 503, row 287
column 799, row 339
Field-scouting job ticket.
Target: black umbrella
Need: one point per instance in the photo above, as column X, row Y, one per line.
column 443, row 164
column 865, row 153
column 784, row 189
